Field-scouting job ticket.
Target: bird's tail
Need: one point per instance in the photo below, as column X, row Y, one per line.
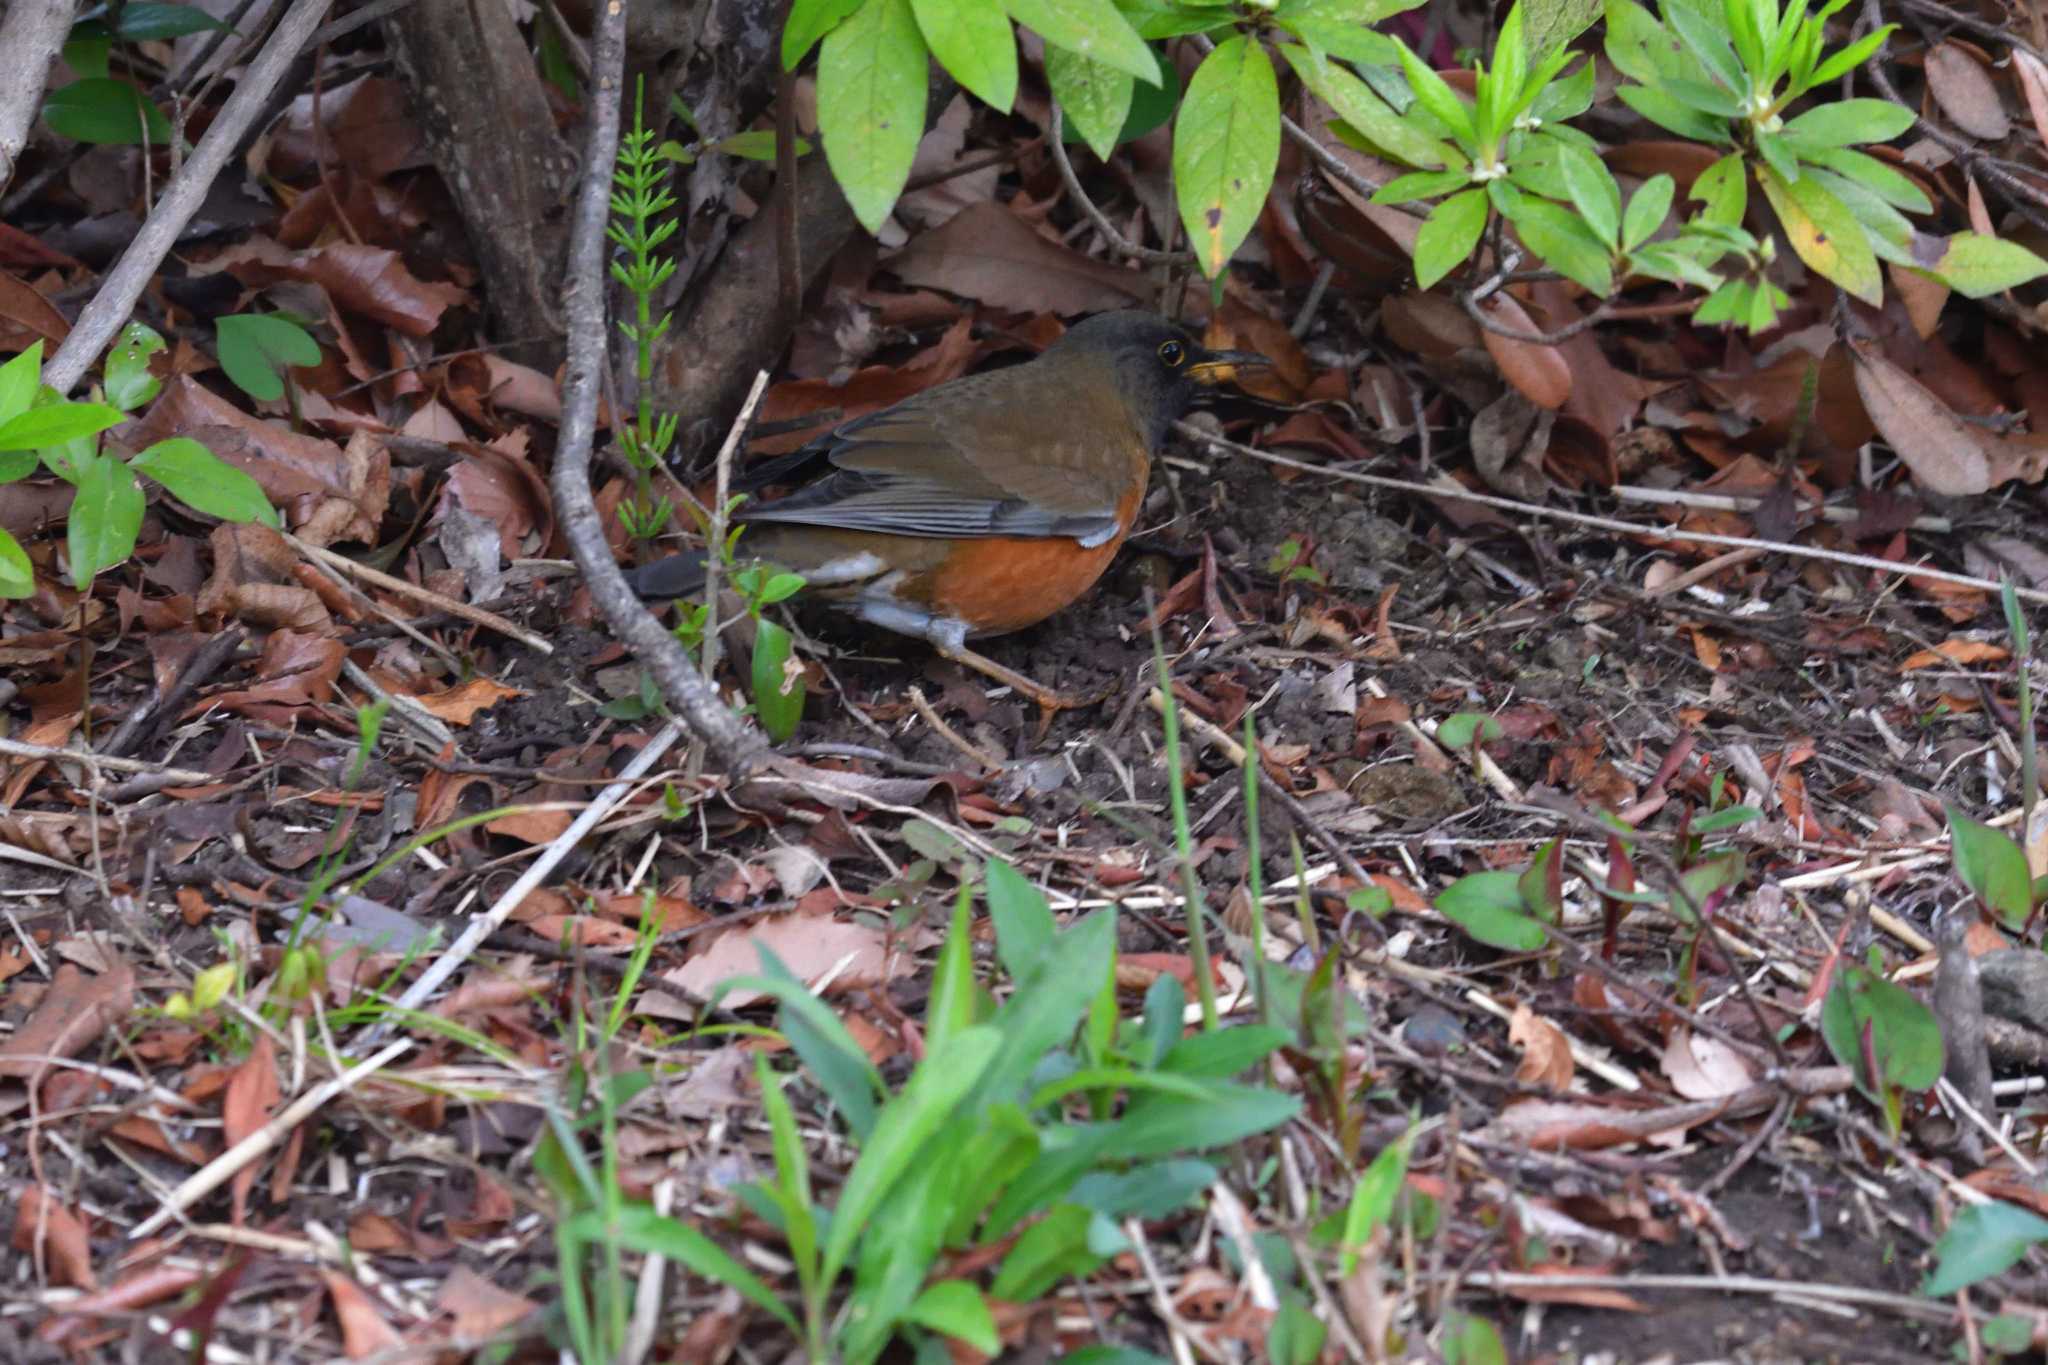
column 676, row 576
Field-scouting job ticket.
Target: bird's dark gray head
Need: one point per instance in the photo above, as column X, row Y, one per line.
column 1162, row 371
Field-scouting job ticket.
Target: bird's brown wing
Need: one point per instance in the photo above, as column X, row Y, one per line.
column 986, row 456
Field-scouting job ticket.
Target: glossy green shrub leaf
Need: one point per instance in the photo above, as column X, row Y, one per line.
column 1095, row 99
column 1647, row 209
column 810, row 20
column 19, row 379
column 778, row 681
column 1977, row 266
column 129, row 384
column 1448, row 235
column 1991, row 865
column 1982, row 1240
column 17, row 576
column 1093, row 28
column 105, row 112
column 204, row 482
column 1824, row 234
column 55, row 423
column 255, row 348
column 1435, row 94
column 1565, row 242
column 105, row 516
column 1850, row 57
column 1226, row 146
column 1406, row 189
column 1353, row 101
column 1843, row 123
column 1670, row 114
column 974, row 43
column 871, row 102
column 1892, row 186
column 1593, row 193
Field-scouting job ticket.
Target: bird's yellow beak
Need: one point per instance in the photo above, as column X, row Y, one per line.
column 1221, row 367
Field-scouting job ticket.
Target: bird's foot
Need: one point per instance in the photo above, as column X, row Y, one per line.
column 1050, row 702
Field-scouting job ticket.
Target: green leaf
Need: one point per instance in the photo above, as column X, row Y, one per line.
column 1647, row 209
column 1406, row 189
column 1707, row 40
column 1023, row 922
column 810, row 20
column 1991, row 865
column 129, row 383
column 1152, row 1190
column 1448, row 235
column 143, row 22
column 1222, row 1053
column 1488, row 906
column 17, row 575
column 871, row 102
column 641, row 1228
column 1824, row 234
column 105, row 516
column 951, row 1006
column 1640, row 47
column 1092, row 28
column 975, row 44
column 55, row 423
column 1471, row 1340
column 1849, row 58
column 1550, row 24
column 1343, row 28
column 1459, row 729
column 256, row 347
column 1353, row 101
column 1668, row 113
column 1905, row 1038
column 1593, row 193
column 19, row 379
column 1226, row 146
column 907, row 1122
column 1095, row 99
column 778, row 681
column 1567, row 98
column 1050, row 1000
column 1982, row 1240
column 1977, row 266
column 1710, row 100
column 204, row 482
column 1565, row 242
column 1723, row 189
column 106, row 112
column 1896, row 189
column 1372, row 1198
column 1159, row 1125
column 1053, row 1247
column 955, row 1308
column 1843, row 123
column 1436, row 95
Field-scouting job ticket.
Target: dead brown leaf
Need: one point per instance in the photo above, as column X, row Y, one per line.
column 76, row 1009
column 986, row 253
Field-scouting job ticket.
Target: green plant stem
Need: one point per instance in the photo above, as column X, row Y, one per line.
column 1184, row 841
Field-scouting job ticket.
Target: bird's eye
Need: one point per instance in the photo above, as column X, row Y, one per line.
column 1173, row 353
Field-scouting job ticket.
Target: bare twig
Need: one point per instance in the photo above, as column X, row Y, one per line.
column 730, row 740
column 31, row 35
column 1055, row 141
column 124, row 284
column 1667, row 534
column 714, row 540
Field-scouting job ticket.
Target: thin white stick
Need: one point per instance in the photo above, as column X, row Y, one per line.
column 222, row 1168
column 484, row 925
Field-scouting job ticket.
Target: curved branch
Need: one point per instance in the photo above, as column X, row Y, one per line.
column 1055, row 141
column 31, row 35
column 733, row 743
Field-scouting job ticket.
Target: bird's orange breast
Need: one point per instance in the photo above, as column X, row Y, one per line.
column 1004, row 583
